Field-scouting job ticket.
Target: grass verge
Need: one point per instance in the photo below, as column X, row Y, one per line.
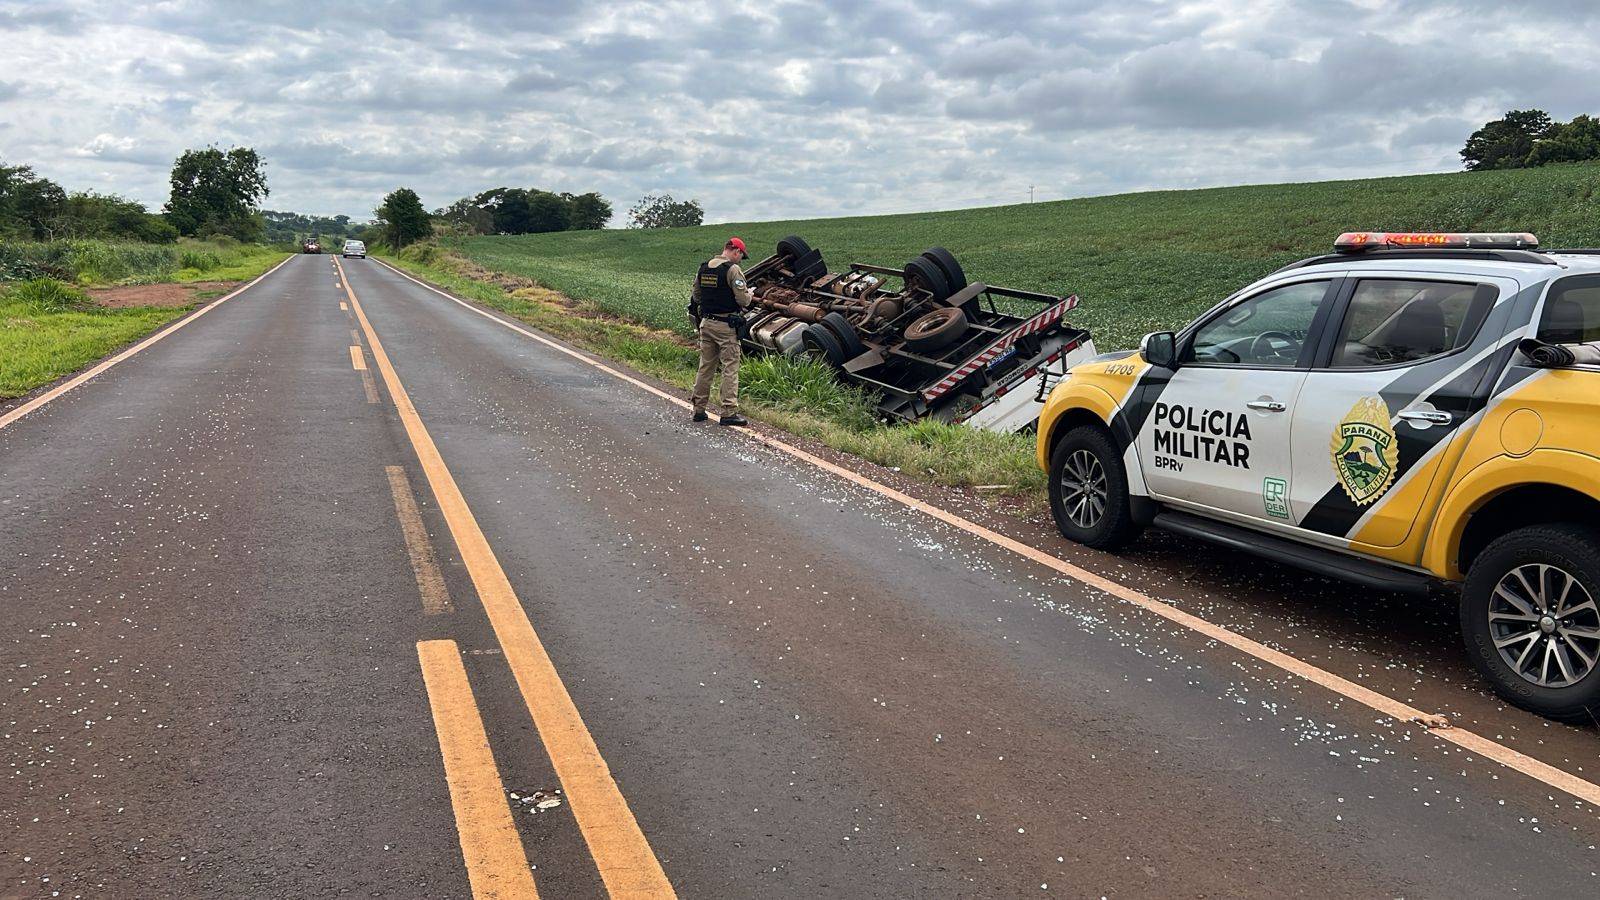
column 48, row 330
column 795, row 395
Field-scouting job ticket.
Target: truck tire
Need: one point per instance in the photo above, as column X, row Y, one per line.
column 947, row 264
column 793, row 247
column 1530, row 615
column 849, row 340
column 1089, row 490
column 936, row 330
column 924, row 274
column 822, row 346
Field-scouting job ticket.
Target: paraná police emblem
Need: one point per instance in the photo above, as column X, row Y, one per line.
column 1366, row 453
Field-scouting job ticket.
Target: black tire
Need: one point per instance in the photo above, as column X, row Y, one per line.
column 923, row 273
column 1572, row 552
column 821, row 345
column 1114, row 526
column 849, row 340
column 947, row 264
column 936, row 330
column 793, row 247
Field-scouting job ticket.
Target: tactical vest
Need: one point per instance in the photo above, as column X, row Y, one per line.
column 716, row 298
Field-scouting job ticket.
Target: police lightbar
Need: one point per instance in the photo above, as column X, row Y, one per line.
column 1357, row 241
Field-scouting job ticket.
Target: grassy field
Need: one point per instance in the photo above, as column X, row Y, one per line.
column 1140, row 262
column 99, row 263
column 50, row 328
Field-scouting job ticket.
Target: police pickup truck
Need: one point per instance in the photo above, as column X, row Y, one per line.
column 1402, row 413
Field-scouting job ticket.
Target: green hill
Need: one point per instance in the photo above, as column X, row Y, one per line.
column 1140, row 262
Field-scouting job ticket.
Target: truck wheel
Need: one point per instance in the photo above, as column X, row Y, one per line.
column 1089, row 490
column 947, row 264
column 793, row 247
column 849, row 340
column 936, row 330
column 822, row 346
column 1530, row 619
column 922, row 273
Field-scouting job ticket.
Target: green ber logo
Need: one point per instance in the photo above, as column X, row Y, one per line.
column 1275, row 493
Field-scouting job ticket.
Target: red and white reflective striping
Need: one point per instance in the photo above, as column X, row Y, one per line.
column 1037, row 323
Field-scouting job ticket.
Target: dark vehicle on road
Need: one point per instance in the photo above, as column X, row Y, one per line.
column 924, row 339
column 310, row 245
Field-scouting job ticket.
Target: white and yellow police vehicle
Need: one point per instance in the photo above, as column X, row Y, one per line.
column 1378, row 415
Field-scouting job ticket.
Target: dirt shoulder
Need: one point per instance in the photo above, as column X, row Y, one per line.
column 169, row 296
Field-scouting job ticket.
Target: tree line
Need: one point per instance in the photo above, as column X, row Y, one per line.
column 214, row 192
column 1525, row 138
column 509, row 210
column 402, row 219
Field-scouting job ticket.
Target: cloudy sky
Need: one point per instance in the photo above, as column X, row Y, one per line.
column 776, row 110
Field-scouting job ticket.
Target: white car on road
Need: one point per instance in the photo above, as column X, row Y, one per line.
column 354, row 248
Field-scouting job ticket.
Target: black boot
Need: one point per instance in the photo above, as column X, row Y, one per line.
column 699, row 416
column 734, row 419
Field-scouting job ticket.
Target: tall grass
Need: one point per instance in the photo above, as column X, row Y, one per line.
column 95, row 262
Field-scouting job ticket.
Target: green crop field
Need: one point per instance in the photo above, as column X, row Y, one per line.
column 1139, row 262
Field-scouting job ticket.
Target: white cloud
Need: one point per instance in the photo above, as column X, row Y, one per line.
column 803, row 107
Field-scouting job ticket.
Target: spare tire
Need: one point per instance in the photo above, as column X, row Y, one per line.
column 822, row 346
column 849, row 340
column 793, row 247
column 921, row 272
column 947, row 264
column 936, row 330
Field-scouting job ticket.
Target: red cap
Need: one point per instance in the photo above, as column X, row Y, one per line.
column 738, row 245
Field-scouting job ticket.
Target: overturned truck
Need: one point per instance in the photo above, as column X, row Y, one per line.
column 923, row 339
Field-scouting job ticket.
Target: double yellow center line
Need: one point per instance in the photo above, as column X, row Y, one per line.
column 626, row 863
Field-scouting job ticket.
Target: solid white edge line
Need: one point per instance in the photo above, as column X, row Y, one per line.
column 105, row 364
column 1401, row 712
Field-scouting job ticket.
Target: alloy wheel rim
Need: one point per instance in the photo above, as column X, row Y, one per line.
column 1083, row 489
column 1546, row 625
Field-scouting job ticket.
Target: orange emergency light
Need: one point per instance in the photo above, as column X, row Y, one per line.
column 1357, row 241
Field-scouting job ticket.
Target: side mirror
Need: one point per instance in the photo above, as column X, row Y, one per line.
column 1160, row 348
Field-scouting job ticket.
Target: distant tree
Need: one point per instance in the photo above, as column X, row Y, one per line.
column 508, row 210
column 1568, row 142
column 1506, row 143
column 87, row 214
column 587, row 212
column 403, row 218
column 28, row 203
column 547, row 212
column 469, row 215
column 511, row 208
column 290, row 227
column 661, row 211
column 216, row 192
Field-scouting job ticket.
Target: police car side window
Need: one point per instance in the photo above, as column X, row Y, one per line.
column 1265, row 331
column 1394, row 321
column 1572, row 311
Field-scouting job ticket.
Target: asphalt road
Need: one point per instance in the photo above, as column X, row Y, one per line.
column 226, row 562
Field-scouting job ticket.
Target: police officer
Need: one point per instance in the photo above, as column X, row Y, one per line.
column 720, row 295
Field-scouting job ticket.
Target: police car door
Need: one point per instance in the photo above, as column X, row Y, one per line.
column 1400, row 371
column 1217, row 434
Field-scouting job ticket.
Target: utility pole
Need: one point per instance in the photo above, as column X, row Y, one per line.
column 1030, row 193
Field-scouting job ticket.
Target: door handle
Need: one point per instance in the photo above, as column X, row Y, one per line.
column 1431, row 416
column 1267, row 405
